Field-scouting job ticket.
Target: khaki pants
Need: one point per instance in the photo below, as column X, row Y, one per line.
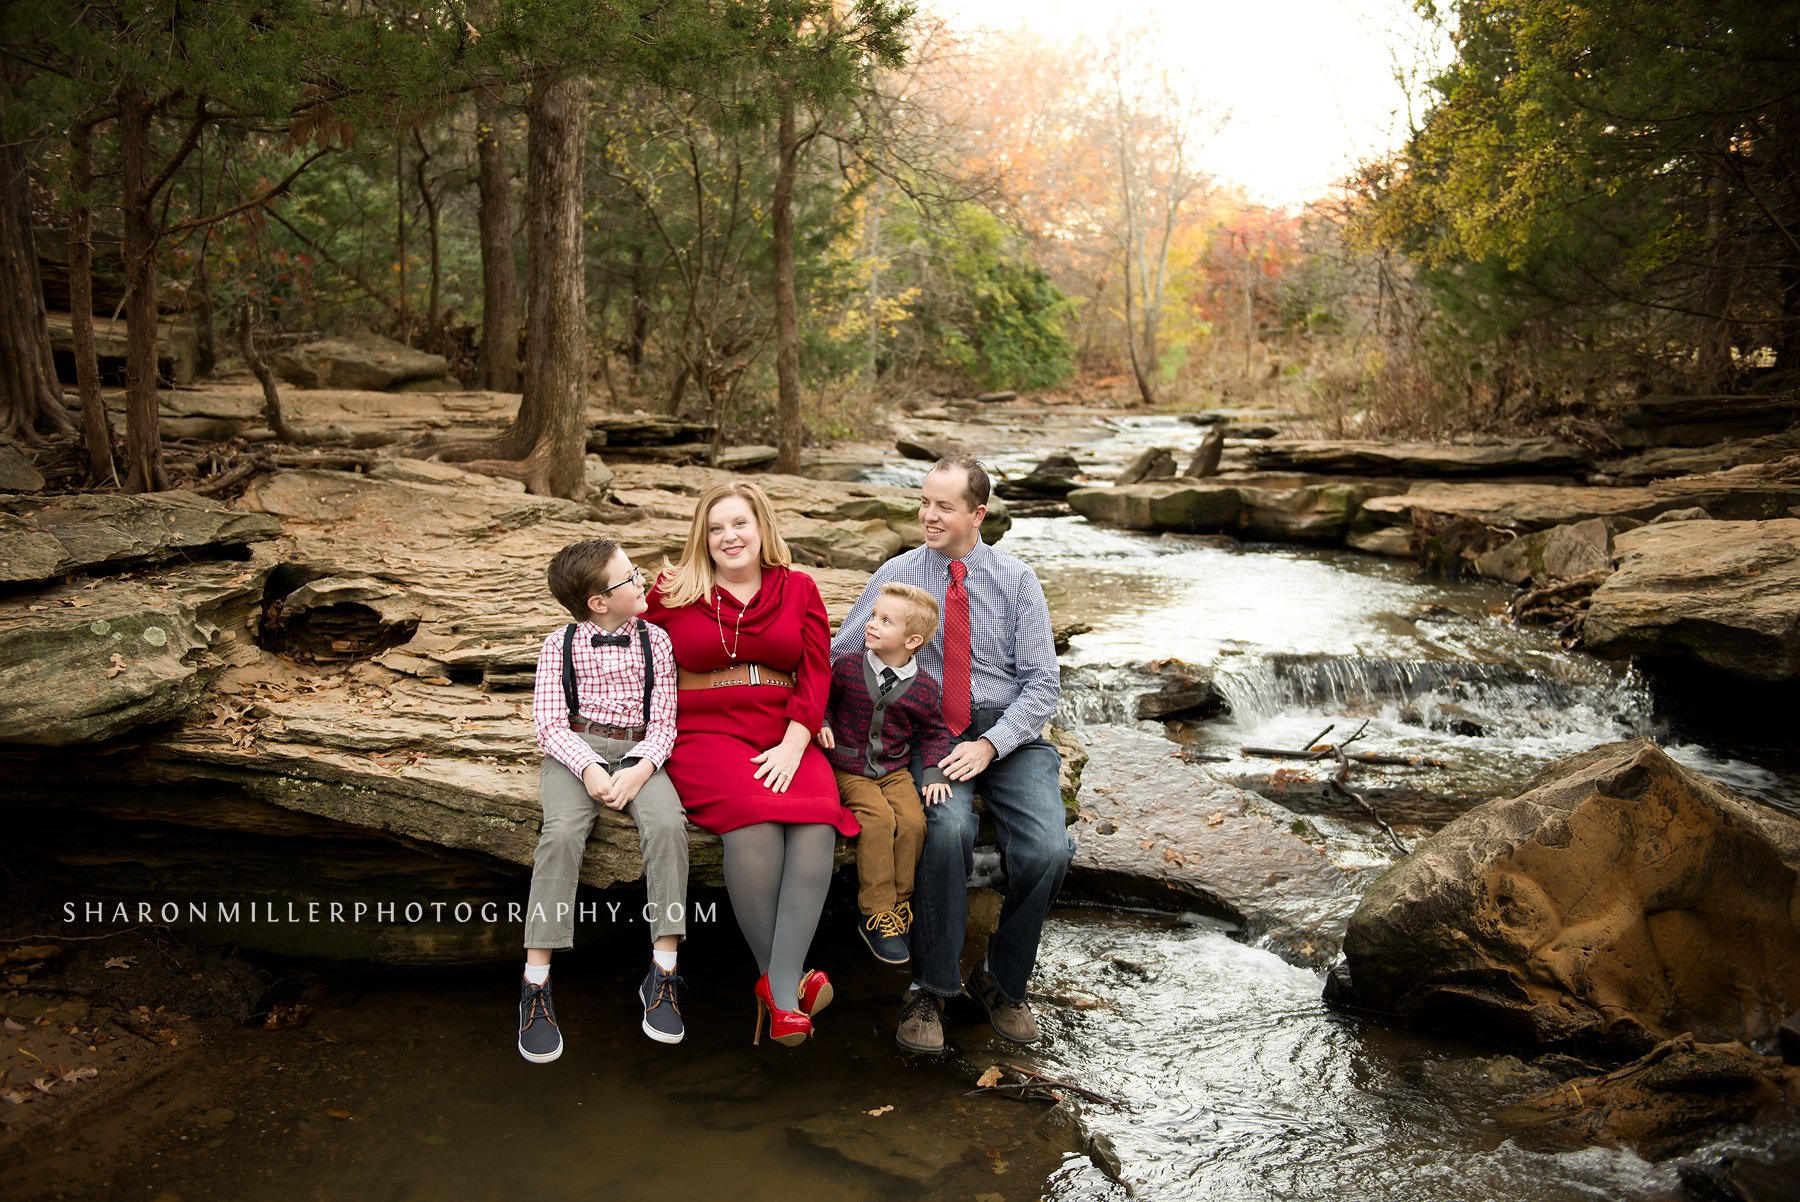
column 569, row 815
column 893, row 832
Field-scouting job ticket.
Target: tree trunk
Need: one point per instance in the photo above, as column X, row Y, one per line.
column 554, row 406
column 499, row 282
column 787, row 325
column 30, row 398
column 435, row 317
column 143, row 434
column 96, row 431
column 405, row 331
column 1713, row 362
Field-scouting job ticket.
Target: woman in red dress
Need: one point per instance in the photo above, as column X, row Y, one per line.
column 752, row 642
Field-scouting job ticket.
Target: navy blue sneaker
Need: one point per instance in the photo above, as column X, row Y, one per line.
column 662, row 1014
column 885, row 933
column 540, row 1039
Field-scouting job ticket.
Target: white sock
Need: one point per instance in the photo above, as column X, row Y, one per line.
column 664, row 960
column 537, row 974
column 913, row 988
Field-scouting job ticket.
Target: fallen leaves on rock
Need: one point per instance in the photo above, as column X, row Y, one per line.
column 118, row 665
column 989, row 1078
column 878, row 1111
column 121, row 961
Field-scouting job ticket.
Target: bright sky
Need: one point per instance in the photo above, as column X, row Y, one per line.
column 1310, row 84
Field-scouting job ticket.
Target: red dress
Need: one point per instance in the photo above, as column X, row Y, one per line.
column 718, row 731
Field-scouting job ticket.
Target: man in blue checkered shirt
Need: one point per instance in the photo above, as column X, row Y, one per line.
column 1012, row 691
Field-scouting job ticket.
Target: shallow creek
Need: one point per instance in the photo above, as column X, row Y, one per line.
column 1234, row 1081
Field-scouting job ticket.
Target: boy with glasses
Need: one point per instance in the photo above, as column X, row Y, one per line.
column 604, row 709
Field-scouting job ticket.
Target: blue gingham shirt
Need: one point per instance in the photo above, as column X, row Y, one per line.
column 1014, row 656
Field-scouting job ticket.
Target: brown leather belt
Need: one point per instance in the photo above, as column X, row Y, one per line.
column 751, row 674
column 581, row 726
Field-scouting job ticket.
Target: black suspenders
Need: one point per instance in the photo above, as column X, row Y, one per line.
column 572, row 700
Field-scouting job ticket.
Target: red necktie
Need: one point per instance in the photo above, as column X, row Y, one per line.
column 956, row 651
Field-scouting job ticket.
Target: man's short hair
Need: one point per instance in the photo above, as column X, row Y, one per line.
column 975, row 487
column 578, row 571
column 921, row 608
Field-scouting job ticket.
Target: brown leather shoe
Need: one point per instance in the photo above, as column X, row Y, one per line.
column 921, row 1023
column 1011, row 1020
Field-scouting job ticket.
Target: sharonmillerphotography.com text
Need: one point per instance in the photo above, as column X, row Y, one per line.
column 235, row 913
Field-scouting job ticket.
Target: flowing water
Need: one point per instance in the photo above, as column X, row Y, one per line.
column 1233, row 1080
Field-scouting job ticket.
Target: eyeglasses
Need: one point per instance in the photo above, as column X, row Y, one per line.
column 636, row 577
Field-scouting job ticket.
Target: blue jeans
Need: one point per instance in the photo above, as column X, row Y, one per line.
column 1025, row 799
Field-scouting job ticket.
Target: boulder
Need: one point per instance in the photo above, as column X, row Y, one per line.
column 1206, row 456
column 17, row 472
column 45, row 537
column 1501, row 457
column 862, row 546
column 1725, row 593
column 1151, row 463
column 1185, row 688
column 1621, row 900
column 361, row 361
column 1386, row 540
column 1157, row 830
column 1559, row 553
column 925, row 450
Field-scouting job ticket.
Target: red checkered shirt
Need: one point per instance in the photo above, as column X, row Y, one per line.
column 609, row 684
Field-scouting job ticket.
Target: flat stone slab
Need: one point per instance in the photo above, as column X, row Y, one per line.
column 1156, row 829
column 1279, row 507
column 45, row 537
column 85, row 663
column 1725, row 593
column 1527, row 507
column 475, row 506
column 1508, row 457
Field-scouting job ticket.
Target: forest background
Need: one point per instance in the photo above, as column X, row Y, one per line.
column 786, row 216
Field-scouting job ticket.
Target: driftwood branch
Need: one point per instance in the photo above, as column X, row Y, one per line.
column 1337, row 782
column 1391, row 761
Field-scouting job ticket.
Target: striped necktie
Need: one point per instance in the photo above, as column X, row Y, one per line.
column 957, row 657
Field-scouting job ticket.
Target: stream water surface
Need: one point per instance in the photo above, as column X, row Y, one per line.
column 1233, row 1080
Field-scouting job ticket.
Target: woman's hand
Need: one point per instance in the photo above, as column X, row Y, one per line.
column 777, row 765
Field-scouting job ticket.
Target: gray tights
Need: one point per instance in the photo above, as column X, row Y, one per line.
column 777, row 874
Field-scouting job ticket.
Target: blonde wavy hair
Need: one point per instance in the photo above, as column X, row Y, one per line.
column 691, row 577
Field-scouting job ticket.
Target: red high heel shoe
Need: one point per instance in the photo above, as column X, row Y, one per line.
column 815, row 992
column 786, row 1027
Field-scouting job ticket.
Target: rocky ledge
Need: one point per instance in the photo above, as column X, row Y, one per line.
column 1155, row 829
column 336, row 674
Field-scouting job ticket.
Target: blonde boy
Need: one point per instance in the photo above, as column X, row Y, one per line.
column 882, row 708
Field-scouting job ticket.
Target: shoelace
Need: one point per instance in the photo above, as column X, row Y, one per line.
column 921, row 997
column 887, row 923
column 537, row 1006
column 665, row 990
